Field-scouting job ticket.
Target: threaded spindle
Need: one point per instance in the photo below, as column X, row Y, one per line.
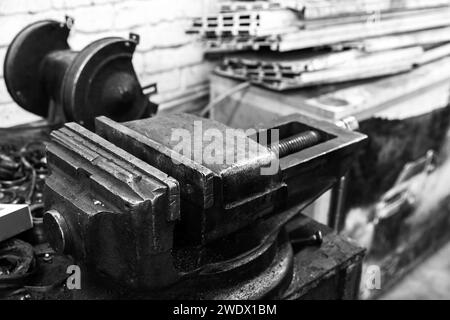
column 297, row 142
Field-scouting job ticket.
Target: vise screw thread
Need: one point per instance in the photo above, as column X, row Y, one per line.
column 297, row 142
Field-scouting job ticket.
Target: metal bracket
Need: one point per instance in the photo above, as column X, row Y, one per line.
column 150, row 89
column 69, row 22
column 135, row 38
column 349, row 123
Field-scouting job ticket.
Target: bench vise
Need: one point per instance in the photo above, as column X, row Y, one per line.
column 172, row 207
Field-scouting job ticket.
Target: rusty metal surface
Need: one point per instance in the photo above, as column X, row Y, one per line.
column 331, row 271
column 264, row 278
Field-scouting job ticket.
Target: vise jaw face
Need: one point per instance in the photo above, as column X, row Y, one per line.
column 110, row 210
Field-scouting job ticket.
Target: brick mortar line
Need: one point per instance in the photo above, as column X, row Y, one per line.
column 157, row 47
column 13, row 14
column 64, row 11
column 91, row 4
column 147, row 24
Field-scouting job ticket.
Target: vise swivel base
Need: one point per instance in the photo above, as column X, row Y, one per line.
column 147, row 216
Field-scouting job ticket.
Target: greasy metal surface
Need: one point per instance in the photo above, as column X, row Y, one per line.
column 267, row 278
column 320, row 272
column 298, row 142
column 316, row 272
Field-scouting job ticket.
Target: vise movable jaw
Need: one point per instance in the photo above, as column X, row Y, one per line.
column 217, row 198
column 127, row 204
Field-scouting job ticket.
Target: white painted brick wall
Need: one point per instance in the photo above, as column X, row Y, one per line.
column 166, row 54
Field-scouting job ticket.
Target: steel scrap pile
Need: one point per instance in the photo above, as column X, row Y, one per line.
column 286, row 44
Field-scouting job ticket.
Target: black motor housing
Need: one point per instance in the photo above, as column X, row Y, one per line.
column 44, row 76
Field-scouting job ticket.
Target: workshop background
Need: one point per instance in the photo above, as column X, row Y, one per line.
column 396, row 201
column 166, row 54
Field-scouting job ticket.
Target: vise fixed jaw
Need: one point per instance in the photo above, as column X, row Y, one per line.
column 111, row 211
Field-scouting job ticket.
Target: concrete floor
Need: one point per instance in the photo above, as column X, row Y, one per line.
column 429, row 281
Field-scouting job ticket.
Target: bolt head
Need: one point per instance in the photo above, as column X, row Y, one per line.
column 47, row 257
column 26, row 297
column 318, row 237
